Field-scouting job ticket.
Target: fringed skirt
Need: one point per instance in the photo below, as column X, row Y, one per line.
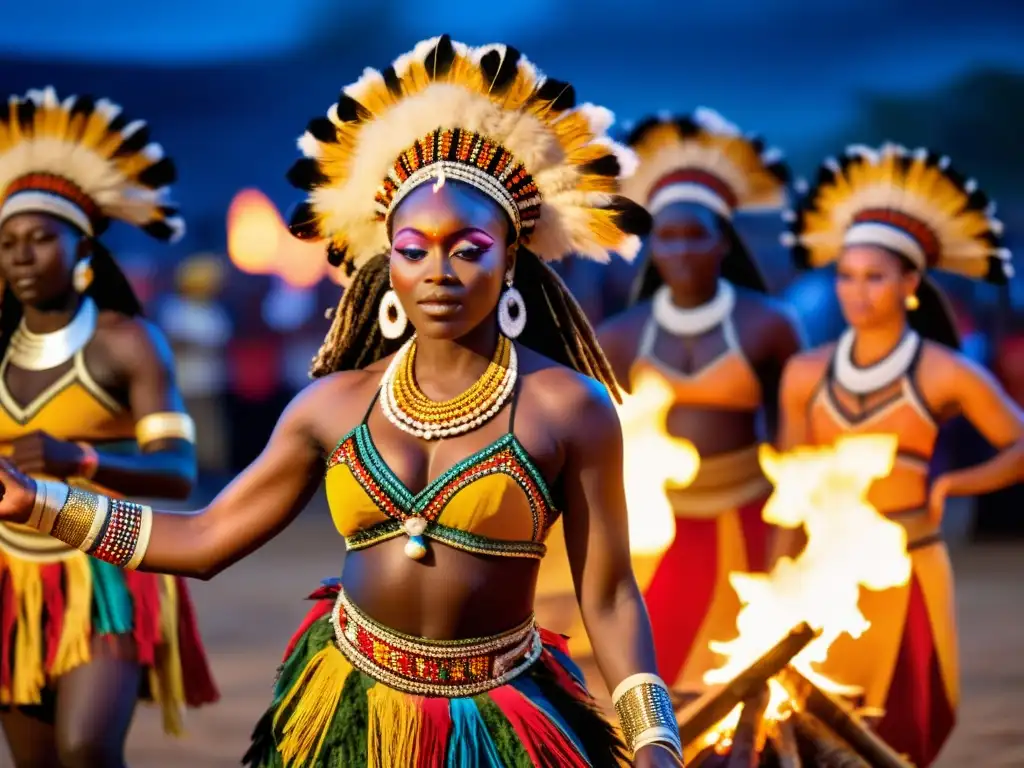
column 354, row 693
column 719, row 530
column 51, row 611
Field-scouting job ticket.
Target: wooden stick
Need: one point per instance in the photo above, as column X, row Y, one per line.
column 839, row 716
column 784, row 742
column 825, row 748
column 715, row 704
column 748, row 738
column 706, row 758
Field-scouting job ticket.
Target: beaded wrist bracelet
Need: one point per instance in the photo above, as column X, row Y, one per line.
column 113, row 530
column 645, row 713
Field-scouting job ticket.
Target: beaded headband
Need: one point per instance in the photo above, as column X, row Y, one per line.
column 911, row 202
column 703, row 158
column 480, row 116
column 83, row 161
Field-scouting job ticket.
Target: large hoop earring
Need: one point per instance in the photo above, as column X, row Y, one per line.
column 511, row 310
column 391, row 316
column 82, row 275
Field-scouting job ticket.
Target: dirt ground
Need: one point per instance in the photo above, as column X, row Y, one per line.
column 249, row 612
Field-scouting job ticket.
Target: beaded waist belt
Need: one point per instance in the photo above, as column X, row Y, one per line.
column 726, row 481
column 448, row 668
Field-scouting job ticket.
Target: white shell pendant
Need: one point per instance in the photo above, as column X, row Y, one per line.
column 416, row 546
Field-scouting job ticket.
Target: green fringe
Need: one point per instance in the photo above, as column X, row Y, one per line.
column 502, row 733
column 112, row 605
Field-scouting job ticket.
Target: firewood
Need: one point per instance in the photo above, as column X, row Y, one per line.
column 824, row 748
column 719, row 701
column 840, row 717
column 707, row 758
column 748, row 738
column 784, row 743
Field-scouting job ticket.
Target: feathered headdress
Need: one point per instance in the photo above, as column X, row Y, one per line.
column 705, row 159
column 911, row 202
column 82, row 160
column 483, row 116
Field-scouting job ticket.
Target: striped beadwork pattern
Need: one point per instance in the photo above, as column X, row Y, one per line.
column 505, row 456
column 116, row 542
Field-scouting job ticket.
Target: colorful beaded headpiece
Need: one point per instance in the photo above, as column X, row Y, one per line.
column 702, row 158
column 482, row 116
column 83, row 161
column 911, row 202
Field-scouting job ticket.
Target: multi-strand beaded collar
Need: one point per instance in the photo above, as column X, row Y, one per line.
column 405, row 405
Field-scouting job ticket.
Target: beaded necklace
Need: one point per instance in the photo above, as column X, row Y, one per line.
column 405, row 405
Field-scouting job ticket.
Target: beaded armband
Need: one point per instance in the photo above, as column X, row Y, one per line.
column 645, row 713
column 113, row 530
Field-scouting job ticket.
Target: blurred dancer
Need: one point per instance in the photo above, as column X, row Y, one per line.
column 462, row 405
column 83, row 379
column 885, row 217
column 701, row 320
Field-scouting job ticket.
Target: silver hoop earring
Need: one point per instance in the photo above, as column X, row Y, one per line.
column 391, row 316
column 511, row 311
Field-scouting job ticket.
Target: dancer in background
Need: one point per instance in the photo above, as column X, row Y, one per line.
column 87, row 396
column 701, row 321
column 885, row 217
column 462, row 405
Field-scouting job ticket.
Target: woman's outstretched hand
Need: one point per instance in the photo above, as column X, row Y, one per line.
column 17, row 494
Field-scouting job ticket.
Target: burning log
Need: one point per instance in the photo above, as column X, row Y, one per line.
column 713, row 706
column 839, row 717
column 749, row 736
column 823, row 747
column 784, row 743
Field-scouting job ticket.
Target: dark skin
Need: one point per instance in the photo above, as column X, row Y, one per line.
column 130, row 359
column 872, row 286
column 687, row 245
column 448, row 261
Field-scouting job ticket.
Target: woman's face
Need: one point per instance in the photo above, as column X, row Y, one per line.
column 448, row 258
column 872, row 286
column 37, row 256
column 687, row 245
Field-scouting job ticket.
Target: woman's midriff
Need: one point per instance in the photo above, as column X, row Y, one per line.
column 904, row 488
column 447, row 595
column 711, row 431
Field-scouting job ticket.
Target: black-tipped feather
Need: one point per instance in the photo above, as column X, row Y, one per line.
column 439, row 61
column 159, row 174
column 302, row 222
column 392, row 82
column 133, row 143
column 335, row 255
column 687, row 126
column 351, row 111
column 500, row 71
column 323, row 130
column 631, row 218
column 305, row 174
column 26, row 114
column 640, row 130
column 159, row 230
column 604, row 166
column 561, row 95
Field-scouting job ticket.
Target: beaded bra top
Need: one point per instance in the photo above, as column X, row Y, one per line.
column 493, row 502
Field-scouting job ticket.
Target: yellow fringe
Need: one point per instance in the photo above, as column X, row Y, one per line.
column 318, row 690
column 166, row 679
column 29, row 678
column 74, row 648
column 394, row 723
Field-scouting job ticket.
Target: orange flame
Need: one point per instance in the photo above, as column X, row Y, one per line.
column 652, row 461
column 825, row 491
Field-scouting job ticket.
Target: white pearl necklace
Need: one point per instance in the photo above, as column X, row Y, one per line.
column 44, row 351
column 865, row 381
column 692, row 322
column 457, row 425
